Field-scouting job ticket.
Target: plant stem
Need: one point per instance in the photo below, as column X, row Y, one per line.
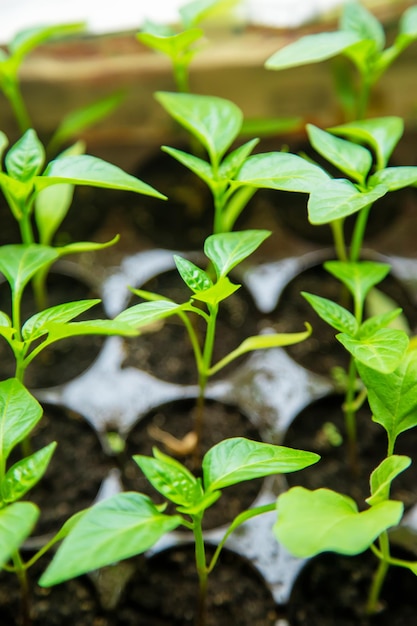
column 350, row 419
column 379, row 576
column 339, row 239
column 202, row 571
column 16, row 101
column 359, row 233
column 21, row 574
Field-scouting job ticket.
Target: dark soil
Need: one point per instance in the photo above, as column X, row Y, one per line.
column 166, row 351
column 322, row 352
column 76, row 471
column 221, row 422
column 308, row 432
column 332, row 590
column 160, row 591
column 67, row 358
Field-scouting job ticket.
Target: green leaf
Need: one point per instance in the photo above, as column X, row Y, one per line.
column 383, row 475
column 376, row 322
column 173, row 45
column 28, row 39
column 174, row 481
column 226, row 250
column 16, row 523
column 311, row 49
column 221, row 290
column 117, row 528
column 19, row 263
column 350, row 158
column 145, row 313
column 281, row 171
column 393, row 396
column 58, row 331
column 214, row 121
column 37, row 325
column 19, row 414
column 408, row 22
column 25, row 159
column 310, row 522
column 381, row 351
column 197, row 10
column 337, row 198
column 238, row 459
column 194, row 277
column 395, row 177
column 380, row 133
column 358, row 277
column 25, row 474
column 4, row 142
column 335, row 315
column 85, row 246
column 88, row 170
column 235, row 159
column 51, row 206
column 194, row 164
column 358, row 20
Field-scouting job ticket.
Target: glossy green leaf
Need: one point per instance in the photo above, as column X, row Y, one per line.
column 281, row 171
column 37, row 325
column 200, row 167
column 58, row 331
column 358, row 277
column 51, row 206
column 145, row 313
column 235, row 159
column 381, row 134
column 25, row 474
column 335, row 315
column 338, row 198
column 350, row 158
column 395, row 177
column 311, row 49
column 19, row 263
column 25, row 158
column 172, row 479
column 117, row 528
column 221, row 290
column 19, row 414
column 357, row 19
column 214, row 121
column 376, row 322
column 381, row 351
column 227, row 250
column 238, row 459
column 383, row 475
column 310, row 522
column 393, row 396
column 194, row 277
column 92, row 171
column 173, row 45
column 16, row 523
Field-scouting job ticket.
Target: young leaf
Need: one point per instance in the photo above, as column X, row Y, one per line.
column 174, row 481
column 197, row 10
column 37, row 325
column 235, row 159
column 116, row 528
column 383, row 475
column 335, row 315
column 173, row 45
column 226, row 250
column 238, row 459
column 281, row 171
column 350, row 158
column 310, row 522
column 19, row 413
column 214, row 121
column 357, row 19
column 51, row 206
column 89, row 170
column 200, row 167
column 16, row 523
column 395, row 177
column 381, row 351
column 19, row 263
column 311, row 49
column 145, row 313
column 28, row 39
column 25, row 474
column 25, row 159
column 221, row 290
column 358, row 277
column 376, row 322
column 194, row 277
column 337, row 198
column 393, row 396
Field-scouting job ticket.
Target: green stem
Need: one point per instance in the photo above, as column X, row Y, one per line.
column 350, row 419
column 379, row 576
column 359, row 233
column 363, row 97
column 234, row 207
column 339, row 239
column 17, row 103
column 21, row 574
column 202, row 571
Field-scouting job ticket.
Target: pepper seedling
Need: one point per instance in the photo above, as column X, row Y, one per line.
column 138, row 523
column 225, row 252
column 361, row 40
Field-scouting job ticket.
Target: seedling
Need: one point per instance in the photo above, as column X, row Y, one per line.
column 232, row 177
column 343, row 529
column 45, row 195
column 19, row 414
column 360, row 38
column 129, row 523
column 369, row 341
column 225, row 252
